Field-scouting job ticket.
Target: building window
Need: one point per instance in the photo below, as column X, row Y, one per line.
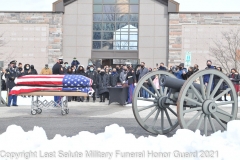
column 115, row 24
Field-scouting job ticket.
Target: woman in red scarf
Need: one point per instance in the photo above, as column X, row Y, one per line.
column 235, row 78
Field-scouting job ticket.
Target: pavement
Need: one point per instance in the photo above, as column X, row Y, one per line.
column 83, row 116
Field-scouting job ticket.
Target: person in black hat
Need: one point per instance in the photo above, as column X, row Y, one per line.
column 11, row 73
column 75, row 62
column 181, row 71
column 32, row 70
column 56, row 69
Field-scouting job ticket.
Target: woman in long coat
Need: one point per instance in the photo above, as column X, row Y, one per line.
column 131, row 78
column 102, row 84
column 80, row 71
column 235, row 78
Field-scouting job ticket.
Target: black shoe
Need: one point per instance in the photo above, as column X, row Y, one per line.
column 226, row 100
column 15, row 105
column 100, row 101
column 87, row 100
column 93, row 101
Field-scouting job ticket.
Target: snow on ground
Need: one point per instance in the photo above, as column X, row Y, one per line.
column 114, row 143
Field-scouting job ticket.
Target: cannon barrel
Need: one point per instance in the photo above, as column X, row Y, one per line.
column 175, row 83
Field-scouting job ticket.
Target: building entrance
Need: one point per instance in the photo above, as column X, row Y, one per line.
column 100, row 63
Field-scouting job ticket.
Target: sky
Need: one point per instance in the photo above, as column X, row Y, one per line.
column 210, row 5
column 185, row 5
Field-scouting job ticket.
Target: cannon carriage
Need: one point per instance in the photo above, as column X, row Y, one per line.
column 192, row 104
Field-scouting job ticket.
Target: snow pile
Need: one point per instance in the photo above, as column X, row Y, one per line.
column 114, row 143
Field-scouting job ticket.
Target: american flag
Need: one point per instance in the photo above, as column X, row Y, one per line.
column 67, row 83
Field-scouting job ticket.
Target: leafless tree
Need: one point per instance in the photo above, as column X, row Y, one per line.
column 226, row 50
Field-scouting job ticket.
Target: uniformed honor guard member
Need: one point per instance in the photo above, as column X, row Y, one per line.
column 11, row 73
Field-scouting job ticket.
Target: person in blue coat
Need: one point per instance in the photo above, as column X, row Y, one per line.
column 181, row 71
column 207, row 76
column 75, row 62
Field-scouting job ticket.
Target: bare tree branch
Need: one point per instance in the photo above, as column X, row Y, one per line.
column 226, row 51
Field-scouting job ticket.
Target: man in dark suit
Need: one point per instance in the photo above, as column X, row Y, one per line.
column 57, row 69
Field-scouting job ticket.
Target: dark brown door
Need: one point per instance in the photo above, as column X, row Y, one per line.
column 106, row 62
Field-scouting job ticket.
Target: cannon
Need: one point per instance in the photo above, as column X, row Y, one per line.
column 191, row 104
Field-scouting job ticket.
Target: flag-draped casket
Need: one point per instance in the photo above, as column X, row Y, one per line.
column 65, row 83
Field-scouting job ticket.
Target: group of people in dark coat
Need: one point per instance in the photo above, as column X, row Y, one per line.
column 112, row 77
column 11, row 73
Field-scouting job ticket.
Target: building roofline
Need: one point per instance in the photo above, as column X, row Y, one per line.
column 174, row 2
column 206, row 12
column 29, row 12
column 57, row 1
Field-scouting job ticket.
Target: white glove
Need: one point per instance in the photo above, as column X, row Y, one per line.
column 135, row 84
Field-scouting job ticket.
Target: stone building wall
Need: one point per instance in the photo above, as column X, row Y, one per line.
column 196, row 33
column 30, row 37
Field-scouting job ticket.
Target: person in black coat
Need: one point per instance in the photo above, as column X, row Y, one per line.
column 195, row 68
column 188, row 74
column 235, row 78
column 69, row 70
column 162, row 68
column 65, row 68
column 56, row 69
column 32, row 70
column 81, row 71
column 92, row 74
column 107, row 71
column 114, row 78
column 131, row 78
column 118, row 69
column 26, row 70
column 102, row 84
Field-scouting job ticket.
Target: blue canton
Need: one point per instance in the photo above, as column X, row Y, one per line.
column 76, row 83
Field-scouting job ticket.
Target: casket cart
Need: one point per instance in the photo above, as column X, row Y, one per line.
column 190, row 104
column 60, row 86
column 37, row 104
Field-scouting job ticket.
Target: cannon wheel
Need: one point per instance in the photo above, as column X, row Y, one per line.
column 208, row 109
column 158, row 107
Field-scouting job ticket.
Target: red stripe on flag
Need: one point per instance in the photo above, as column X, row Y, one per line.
column 42, row 76
column 21, row 90
column 40, row 83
